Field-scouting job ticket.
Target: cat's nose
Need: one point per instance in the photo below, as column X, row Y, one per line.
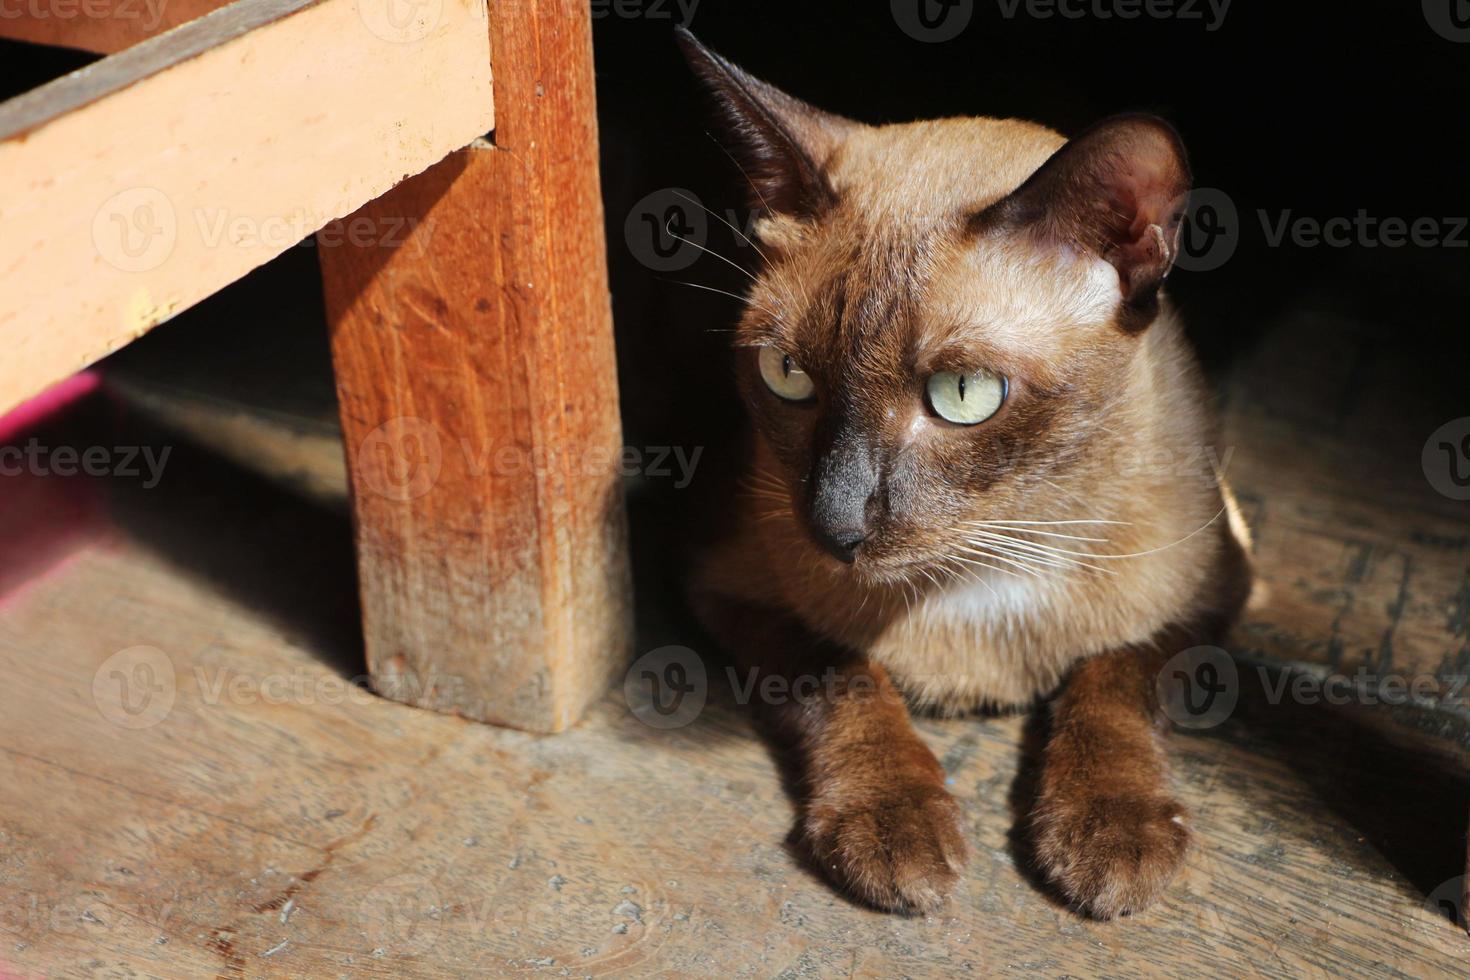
column 844, row 482
column 842, row 543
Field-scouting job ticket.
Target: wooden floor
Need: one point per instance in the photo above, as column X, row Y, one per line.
column 227, row 804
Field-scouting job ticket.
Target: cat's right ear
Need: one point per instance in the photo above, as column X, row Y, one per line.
column 1117, row 191
column 779, row 141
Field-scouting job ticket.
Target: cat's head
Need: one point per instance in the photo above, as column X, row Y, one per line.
column 944, row 313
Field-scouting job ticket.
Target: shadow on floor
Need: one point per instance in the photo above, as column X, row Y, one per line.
column 280, row 554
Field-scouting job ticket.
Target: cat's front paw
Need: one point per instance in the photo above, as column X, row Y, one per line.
column 1110, row 855
column 900, row 848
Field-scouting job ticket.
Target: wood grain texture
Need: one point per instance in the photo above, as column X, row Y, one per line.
column 273, row 820
column 99, row 26
column 145, row 182
column 478, row 389
column 1363, row 591
column 1363, row 567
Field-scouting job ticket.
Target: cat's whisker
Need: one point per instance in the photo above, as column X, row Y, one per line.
column 767, row 494
column 790, row 296
column 994, row 556
column 1037, row 548
column 1027, row 557
column 1014, row 545
column 722, row 220
column 761, row 197
column 724, row 292
column 761, row 490
column 982, row 564
column 1036, row 551
column 1136, row 554
column 1053, row 560
column 669, row 230
column 987, row 526
column 950, row 570
column 762, row 479
column 1179, row 541
column 1052, row 523
column 1031, row 563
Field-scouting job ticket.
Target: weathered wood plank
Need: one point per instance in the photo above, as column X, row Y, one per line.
column 143, row 183
column 478, row 389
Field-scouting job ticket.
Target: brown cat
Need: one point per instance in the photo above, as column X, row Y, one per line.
column 972, row 420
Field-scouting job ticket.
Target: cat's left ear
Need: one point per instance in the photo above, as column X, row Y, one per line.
column 781, row 143
column 1118, row 191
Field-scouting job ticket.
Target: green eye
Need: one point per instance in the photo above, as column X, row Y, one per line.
column 784, row 376
column 966, row 399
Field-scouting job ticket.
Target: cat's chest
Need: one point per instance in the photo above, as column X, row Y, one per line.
column 997, row 642
column 1000, row 641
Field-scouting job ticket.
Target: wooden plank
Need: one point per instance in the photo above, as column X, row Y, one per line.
column 478, row 389
column 99, row 26
column 141, row 184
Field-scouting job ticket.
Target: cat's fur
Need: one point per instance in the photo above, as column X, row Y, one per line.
column 889, row 253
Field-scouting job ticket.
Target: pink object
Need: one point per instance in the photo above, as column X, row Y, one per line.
column 28, row 414
column 44, row 520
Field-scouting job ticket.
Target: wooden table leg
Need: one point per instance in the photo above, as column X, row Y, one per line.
column 472, row 339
